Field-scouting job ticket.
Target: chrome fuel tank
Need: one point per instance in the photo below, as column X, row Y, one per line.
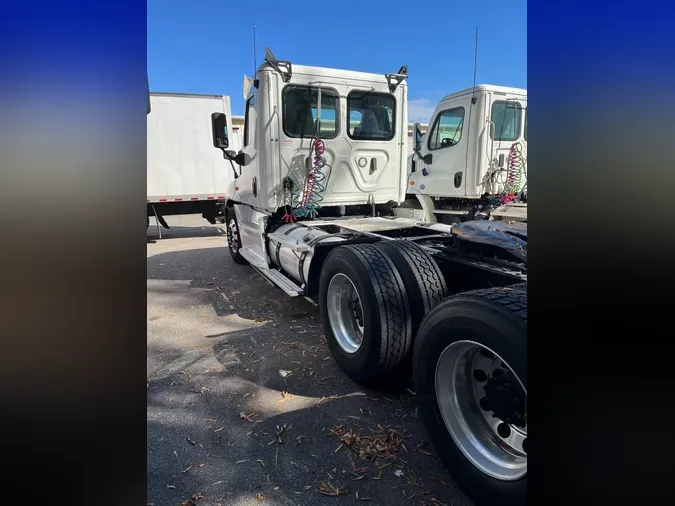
column 291, row 247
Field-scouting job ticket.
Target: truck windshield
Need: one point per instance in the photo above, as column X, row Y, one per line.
column 506, row 120
column 300, row 112
column 370, row 116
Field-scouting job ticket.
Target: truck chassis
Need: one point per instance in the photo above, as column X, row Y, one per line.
column 450, row 300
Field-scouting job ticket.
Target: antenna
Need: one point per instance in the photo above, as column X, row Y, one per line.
column 475, row 66
column 254, row 63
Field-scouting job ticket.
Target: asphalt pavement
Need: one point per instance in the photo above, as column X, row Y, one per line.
column 247, row 407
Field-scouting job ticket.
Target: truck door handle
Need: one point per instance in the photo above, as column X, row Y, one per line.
column 255, row 187
column 373, row 165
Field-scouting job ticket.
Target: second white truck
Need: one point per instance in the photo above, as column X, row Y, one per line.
column 472, row 161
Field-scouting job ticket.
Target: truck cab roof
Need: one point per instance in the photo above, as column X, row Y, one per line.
column 486, row 87
column 306, row 70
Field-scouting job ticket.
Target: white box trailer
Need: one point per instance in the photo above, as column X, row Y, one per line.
column 185, row 174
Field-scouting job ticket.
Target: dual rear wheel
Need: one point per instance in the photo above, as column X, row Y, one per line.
column 384, row 305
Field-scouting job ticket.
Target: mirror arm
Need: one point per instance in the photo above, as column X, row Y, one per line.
column 229, row 157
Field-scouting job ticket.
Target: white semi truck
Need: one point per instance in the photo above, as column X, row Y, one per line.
column 472, row 161
column 312, row 209
column 185, row 174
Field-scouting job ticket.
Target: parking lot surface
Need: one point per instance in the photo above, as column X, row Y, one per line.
column 247, row 407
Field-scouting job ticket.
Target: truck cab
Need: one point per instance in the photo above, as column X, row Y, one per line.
column 314, row 139
column 361, row 119
column 474, row 151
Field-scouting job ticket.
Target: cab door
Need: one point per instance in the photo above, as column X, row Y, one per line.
column 247, row 184
column 441, row 167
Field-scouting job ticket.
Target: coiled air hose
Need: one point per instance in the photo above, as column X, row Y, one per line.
column 309, row 201
column 516, row 168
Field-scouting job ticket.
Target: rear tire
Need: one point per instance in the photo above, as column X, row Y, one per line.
column 461, row 346
column 233, row 238
column 422, row 277
column 364, row 311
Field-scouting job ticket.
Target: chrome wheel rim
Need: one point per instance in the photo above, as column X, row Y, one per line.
column 345, row 313
column 233, row 235
column 467, row 375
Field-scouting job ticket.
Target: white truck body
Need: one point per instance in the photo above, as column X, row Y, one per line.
column 359, row 171
column 182, row 164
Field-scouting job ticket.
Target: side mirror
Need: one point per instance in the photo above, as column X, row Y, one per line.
column 219, row 131
column 417, row 132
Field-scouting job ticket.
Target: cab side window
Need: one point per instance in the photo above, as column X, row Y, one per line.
column 301, row 112
column 249, row 120
column 370, row 116
column 447, row 129
column 506, row 117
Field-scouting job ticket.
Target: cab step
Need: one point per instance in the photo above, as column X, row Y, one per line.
column 278, row 279
column 254, row 258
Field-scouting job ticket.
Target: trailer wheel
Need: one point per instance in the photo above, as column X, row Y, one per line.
column 364, row 311
column 470, row 368
column 233, row 239
column 423, row 279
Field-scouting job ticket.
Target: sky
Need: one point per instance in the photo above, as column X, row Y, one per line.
column 206, row 46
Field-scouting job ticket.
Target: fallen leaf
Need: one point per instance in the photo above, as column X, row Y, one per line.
column 383, row 443
column 260, row 496
column 330, row 490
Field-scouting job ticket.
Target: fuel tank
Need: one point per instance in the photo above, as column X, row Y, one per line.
column 291, row 247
